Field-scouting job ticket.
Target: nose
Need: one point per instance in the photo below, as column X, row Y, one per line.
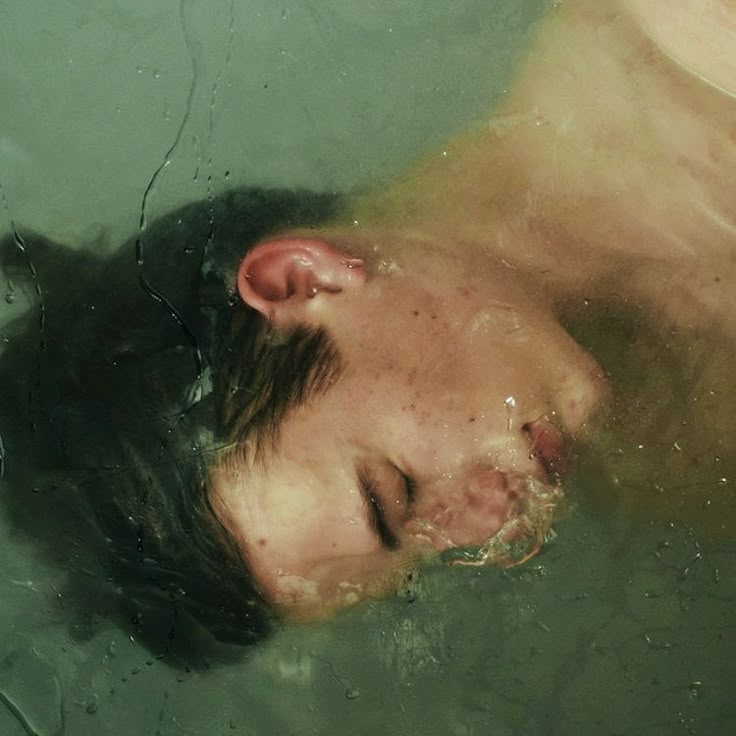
column 468, row 512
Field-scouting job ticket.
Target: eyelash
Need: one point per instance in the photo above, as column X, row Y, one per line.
column 410, row 486
column 375, row 506
column 376, row 510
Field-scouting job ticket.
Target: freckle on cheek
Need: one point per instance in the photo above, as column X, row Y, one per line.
column 261, row 542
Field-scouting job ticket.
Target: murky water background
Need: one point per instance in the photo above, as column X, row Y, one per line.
column 112, row 111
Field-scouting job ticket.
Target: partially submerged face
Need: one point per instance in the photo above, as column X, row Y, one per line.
column 445, row 426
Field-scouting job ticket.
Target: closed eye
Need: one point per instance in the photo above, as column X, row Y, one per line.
column 375, row 510
column 410, row 486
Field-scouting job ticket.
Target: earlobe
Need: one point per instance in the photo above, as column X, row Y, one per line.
column 277, row 277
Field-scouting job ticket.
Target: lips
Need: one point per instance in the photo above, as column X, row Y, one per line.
column 498, row 517
column 472, row 513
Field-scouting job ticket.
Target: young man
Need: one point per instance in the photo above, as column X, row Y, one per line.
column 605, row 174
column 282, row 400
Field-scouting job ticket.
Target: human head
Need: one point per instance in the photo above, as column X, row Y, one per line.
column 111, row 415
column 447, row 418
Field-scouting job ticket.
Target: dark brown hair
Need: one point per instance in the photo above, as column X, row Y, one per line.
column 129, row 375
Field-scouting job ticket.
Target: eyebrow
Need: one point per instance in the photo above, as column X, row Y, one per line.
column 374, row 507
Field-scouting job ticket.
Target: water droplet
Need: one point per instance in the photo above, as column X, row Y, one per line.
column 10, row 297
column 227, row 175
column 156, row 74
column 352, row 693
column 91, row 708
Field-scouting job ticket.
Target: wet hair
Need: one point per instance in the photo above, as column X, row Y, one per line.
column 127, row 379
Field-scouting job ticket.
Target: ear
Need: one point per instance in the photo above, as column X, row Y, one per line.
column 279, row 277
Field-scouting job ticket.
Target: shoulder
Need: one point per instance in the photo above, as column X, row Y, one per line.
column 699, row 35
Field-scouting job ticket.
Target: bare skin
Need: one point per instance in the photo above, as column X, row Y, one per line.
column 605, row 173
column 572, row 177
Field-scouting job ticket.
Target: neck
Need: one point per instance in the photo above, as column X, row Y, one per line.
column 607, row 150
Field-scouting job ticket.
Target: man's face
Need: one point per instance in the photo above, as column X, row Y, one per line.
column 456, row 394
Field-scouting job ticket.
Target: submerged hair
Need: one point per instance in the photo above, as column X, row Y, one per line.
column 129, row 376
